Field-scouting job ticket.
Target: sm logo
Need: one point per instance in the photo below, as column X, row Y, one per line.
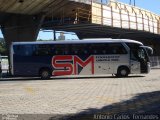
column 68, row 64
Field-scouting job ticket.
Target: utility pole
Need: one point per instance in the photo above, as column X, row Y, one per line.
column 54, row 35
column 130, row 2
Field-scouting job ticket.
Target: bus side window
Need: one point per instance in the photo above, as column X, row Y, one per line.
column 114, row 50
column 95, row 51
column 28, row 50
column 66, row 49
column 23, row 50
column 85, row 52
column 59, row 49
column 75, row 52
column 79, row 49
column 117, row 48
column 98, row 49
column 52, row 51
column 75, row 49
column 133, row 55
column 85, row 49
column 42, row 50
column 17, row 50
column 104, row 51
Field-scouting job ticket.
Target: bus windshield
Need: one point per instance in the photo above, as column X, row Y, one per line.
column 142, row 54
column 148, row 49
column 139, row 54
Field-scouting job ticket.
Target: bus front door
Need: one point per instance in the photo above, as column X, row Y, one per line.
column 135, row 67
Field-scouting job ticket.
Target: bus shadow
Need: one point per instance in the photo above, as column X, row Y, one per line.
column 19, row 79
column 142, row 105
column 10, row 78
column 95, row 77
column 135, row 76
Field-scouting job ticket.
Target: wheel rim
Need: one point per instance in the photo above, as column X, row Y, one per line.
column 45, row 74
column 123, row 72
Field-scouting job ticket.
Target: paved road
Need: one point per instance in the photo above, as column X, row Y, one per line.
column 80, row 98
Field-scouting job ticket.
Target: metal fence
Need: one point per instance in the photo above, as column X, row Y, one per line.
column 155, row 61
column 4, row 63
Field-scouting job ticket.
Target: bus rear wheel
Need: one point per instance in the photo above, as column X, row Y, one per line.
column 45, row 74
column 122, row 72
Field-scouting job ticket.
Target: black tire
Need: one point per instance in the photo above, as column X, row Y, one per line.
column 45, row 74
column 122, row 72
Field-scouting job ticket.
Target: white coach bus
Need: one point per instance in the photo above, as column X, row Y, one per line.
column 84, row 57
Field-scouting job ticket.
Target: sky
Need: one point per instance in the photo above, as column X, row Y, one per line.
column 151, row 5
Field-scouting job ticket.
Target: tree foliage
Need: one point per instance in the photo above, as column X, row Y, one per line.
column 3, row 48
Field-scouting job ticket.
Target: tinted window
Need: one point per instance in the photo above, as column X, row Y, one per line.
column 97, row 49
column 61, row 49
column 116, row 48
column 69, row 49
column 134, row 50
column 23, row 50
column 42, row 50
column 133, row 45
column 107, row 48
column 80, row 49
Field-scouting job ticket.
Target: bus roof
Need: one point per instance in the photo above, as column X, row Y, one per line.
column 93, row 40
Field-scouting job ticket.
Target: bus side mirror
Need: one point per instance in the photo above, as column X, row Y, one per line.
column 148, row 49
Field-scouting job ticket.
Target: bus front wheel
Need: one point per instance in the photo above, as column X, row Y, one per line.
column 45, row 74
column 122, row 72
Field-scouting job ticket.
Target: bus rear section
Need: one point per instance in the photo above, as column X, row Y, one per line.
column 29, row 59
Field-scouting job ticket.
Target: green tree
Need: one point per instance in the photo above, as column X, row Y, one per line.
column 3, row 49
